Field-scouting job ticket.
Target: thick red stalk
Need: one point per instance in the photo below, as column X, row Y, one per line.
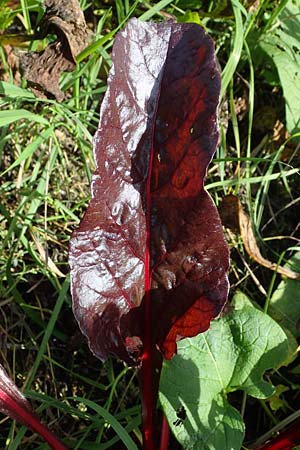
column 165, row 434
column 147, row 391
column 29, row 419
column 286, row 440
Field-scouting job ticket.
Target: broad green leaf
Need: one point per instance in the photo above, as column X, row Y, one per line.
column 12, row 115
column 285, row 301
column 282, row 46
column 233, row 354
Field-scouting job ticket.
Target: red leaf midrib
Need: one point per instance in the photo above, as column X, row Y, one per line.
column 148, row 366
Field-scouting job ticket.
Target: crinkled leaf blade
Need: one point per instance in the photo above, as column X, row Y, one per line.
column 149, row 261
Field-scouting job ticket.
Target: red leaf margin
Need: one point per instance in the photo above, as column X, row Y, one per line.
column 149, row 260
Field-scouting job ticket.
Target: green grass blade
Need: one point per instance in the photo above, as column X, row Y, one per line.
column 12, row 115
column 49, row 330
column 155, row 9
column 250, row 121
column 26, row 16
column 90, row 49
column 10, row 90
column 121, row 432
column 100, row 42
column 275, row 14
column 235, row 55
column 30, row 149
column 252, row 180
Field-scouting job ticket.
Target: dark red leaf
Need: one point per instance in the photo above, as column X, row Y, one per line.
column 149, row 261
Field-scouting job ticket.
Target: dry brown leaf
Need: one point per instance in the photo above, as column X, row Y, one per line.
column 43, row 69
column 234, row 217
column 68, row 20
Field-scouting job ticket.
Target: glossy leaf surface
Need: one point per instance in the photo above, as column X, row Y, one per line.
column 149, row 262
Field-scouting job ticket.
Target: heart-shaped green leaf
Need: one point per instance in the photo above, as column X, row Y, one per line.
column 233, row 354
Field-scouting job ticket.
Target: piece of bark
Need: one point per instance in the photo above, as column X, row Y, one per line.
column 43, row 69
column 234, row 217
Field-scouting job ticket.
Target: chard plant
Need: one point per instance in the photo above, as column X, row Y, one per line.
column 149, row 261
